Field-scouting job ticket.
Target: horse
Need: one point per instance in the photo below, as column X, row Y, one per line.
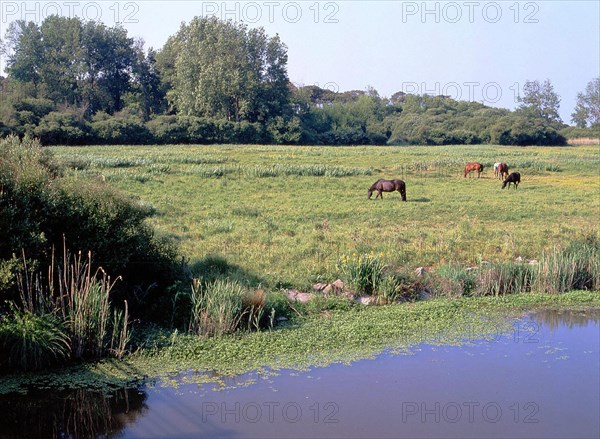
column 473, row 166
column 514, row 178
column 502, row 171
column 496, row 165
column 382, row 185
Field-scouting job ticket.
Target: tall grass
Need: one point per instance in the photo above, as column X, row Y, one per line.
column 557, row 271
column 84, row 305
column 503, row 278
column 217, row 308
column 577, row 267
column 31, row 341
column 66, row 314
column 364, row 272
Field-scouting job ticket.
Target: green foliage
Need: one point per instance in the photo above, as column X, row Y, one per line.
column 223, row 70
column 454, row 281
column 39, row 209
column 30, row 341
column 540, row 101
column 119, row 130
column 62, row 128
column 563, row 269
column 84, row 305
column 516, row 129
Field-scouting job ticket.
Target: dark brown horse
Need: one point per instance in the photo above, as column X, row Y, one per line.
column 514, row 178
column 473, row 166
column 382, row 185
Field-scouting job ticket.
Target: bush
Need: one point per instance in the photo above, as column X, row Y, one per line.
column 167, row 130
column 62, row 129
column 128, row 130
column 40, row 210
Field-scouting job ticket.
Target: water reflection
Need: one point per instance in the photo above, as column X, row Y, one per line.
column 77, row 414
column 555, row 318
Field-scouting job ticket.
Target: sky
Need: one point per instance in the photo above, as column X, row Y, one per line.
column 480, row 51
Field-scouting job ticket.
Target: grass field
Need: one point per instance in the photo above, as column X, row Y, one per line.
column 282, row 216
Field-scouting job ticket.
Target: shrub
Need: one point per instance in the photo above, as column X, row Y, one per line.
column 168, row 130
column 62, row 129
column 39, row 210
column 120, row 130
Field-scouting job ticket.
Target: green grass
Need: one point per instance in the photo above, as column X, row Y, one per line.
column 283, row 216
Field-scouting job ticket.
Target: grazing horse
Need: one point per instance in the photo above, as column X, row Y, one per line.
column 382, row 185
column 514, row 178
column 502, row 171
column 478, row 167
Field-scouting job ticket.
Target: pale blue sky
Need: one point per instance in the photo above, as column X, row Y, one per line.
column 472, row 50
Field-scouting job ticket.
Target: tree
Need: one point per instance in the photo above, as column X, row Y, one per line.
column 540, row 100
column 73, row 63
column 587, row 109
column 23, row 48
column 224, row 70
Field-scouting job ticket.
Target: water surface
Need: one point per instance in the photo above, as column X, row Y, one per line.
column 542, row 380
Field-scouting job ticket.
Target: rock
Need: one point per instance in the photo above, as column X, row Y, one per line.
column 533, row 262
column 281, row 319
column 338, row 286
column 519, row 259
column 425, row 294
column 319, row 286
column 421, row 271
column 298, row 296
column 327, row 289
column 365, row 300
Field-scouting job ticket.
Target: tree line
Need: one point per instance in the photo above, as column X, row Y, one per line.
column 75, row 82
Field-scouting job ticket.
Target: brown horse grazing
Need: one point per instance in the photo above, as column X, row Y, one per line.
column 514, row 178
column 382, row 185
column 478, row 167
column 502, row 170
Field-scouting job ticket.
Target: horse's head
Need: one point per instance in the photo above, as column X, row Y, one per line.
column 369, row 193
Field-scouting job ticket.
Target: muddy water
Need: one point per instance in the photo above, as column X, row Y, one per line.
column 542, row 380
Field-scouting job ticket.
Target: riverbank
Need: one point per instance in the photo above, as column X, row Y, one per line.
column 333, row 336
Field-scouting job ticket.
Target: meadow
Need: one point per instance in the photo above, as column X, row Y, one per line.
column 284, row 216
